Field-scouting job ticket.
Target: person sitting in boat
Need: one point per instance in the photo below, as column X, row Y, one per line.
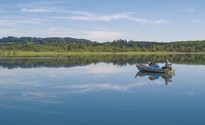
column 168, row 65
column 151, row 64
column 154, row 65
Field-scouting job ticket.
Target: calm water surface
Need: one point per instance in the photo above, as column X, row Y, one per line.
column 101, row 94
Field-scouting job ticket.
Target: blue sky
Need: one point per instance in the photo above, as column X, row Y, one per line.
column 104, row 20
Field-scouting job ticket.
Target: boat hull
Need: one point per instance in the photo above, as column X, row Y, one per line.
column 151, row 69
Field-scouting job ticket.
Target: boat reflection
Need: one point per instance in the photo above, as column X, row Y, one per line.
column 153, row 76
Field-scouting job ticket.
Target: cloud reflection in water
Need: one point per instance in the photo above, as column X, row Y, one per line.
column 50, row 85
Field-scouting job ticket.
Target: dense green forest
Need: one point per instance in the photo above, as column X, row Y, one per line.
column 57, row 44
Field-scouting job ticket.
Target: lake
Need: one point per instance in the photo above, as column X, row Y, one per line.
column 97, row 90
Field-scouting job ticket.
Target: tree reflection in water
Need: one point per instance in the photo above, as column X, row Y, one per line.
column 120, row 60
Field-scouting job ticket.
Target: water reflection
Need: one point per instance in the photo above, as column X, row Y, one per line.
column 120, row 60
column 99, row 93
column 153, row 76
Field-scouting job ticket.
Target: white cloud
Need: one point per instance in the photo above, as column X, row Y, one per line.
column 19, row 26
column 87, row 16
column 102, row 35
column 15, row 21
column 40, row 4
column 99, row 35
column 159, row 21
column 138, row 20
column 144, row 21
column 36, row 10
column 60, row 32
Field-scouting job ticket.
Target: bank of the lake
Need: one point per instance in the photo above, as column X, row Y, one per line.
column 55, row 53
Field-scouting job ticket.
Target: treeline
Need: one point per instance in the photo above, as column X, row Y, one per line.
column 79, row 45
column 14, row 40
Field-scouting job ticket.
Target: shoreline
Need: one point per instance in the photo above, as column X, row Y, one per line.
column 63, row 54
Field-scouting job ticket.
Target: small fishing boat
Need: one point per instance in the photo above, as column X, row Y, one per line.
column 150, row 68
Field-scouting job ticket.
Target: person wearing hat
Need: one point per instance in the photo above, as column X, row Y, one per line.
column 168, row 64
